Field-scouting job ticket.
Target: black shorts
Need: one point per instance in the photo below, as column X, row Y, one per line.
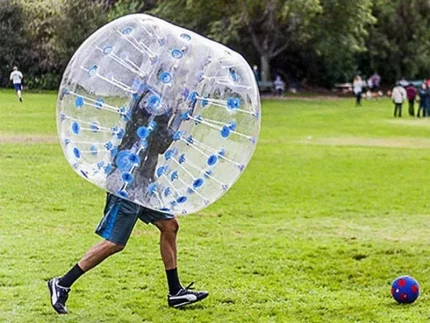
column 121, row 215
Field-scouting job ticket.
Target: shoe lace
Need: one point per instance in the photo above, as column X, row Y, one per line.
column 62, row 294
column 190, row 286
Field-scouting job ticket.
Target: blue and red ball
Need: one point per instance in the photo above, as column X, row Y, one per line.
column 405, row 290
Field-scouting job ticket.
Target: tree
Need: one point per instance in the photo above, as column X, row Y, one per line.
column 77, row 20
column 340, row 37
column 124, row 7
column 398, row 44
column 41, row 50
column 271, row 26
column 55, row 30
column 274, row 26
column 12, row 39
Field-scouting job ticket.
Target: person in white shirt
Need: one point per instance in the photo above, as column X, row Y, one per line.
column 398, row 96
column 16, row 78
column 357, row 88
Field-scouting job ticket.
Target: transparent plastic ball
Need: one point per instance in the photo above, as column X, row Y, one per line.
column 157, row 114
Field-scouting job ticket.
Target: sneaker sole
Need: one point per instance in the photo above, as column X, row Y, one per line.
column 189, row 302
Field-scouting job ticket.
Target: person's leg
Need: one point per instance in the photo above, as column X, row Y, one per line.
column 411, row 108
column 168, row 232
column 93, row 257
column 98, row 253
column 115, row 227
column 17, row 88
column 397, row 112
column 178, row 295
column 400, row 109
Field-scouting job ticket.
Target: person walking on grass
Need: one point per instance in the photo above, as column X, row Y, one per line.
column 357, row 87
column 279, row 86
column 424, row 95
column 120, row 217
column 16, row 78
column 398, row 96
column 411, row 93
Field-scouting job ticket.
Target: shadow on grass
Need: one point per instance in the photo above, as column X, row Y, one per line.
column 192, row 307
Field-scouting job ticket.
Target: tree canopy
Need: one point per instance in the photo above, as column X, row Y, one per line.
column 318, row 41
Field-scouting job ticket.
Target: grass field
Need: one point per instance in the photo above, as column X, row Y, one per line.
column 333, row 206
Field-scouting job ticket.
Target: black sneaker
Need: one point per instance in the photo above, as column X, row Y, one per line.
column 185, row 296
column 59, row 296
column 20, row 99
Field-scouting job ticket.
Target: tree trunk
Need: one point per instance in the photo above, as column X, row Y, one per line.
column 265, row 68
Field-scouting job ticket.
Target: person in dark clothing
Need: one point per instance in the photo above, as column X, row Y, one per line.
column 156, row 144
column 121, row 215
column 411, row 93
column 424, row 96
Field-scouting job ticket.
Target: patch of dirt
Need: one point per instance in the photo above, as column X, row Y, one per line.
column 416, row 143
column 304, row 98
column 424, row 122
column 28, row 139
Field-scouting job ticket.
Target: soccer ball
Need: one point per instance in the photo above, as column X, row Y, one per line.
column 405, row 289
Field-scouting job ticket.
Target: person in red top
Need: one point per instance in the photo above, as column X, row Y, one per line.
column 411, row 93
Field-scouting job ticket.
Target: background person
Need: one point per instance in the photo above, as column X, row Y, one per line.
column 424, row 96
column 398, row 96
column 279, row 86
column 16, row 78
column 376, row 81
column 411, row 93
column 357, row 87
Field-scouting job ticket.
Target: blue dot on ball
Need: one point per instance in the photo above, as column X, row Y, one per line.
column 134, row 159
column 142, row 132
column 225, row 132
column 152, row 188
column 79, row 102
column 166, row 77
column 122, row 193
column 405, row 290
column 127, row 177
column 198, row 183
column 212, row 160
column 76, row 128
column 177, row 53
column 181, row 199
column 77, row 153
column 93, row 149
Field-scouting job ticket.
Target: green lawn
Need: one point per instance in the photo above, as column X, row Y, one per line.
column 333, row 207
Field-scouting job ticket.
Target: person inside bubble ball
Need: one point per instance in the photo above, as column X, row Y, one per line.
column 120, row 217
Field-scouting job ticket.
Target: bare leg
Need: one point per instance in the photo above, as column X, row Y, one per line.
column 19, row 93
column 178, row 295
column 168, row 232
column 98, row 253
